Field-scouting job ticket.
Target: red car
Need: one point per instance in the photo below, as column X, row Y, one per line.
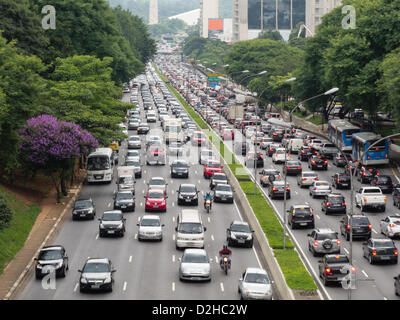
column 198, row 138
column 211, row 167
column 156, row 200
column 228, row 134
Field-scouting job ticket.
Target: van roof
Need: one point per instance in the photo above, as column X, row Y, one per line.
column 189, row 215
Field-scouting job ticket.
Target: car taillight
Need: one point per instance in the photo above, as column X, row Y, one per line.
column 315, row 188
column 365, row 199
column 303, row 179
column 363, row 174
column 300, row 167
column 353, row 269
column 328, row 204
column 348, row 227
column 370, row 227
column 338, row 241
column 328, row 270
column 274, row 189
column 315, row 243
column 395, row 252
column 313, row 161
column 374, row 252
column 287, row 188
column 391, row 225
column 337, row 180
column 344, row 203
column 316, row 178
column 326, row 161
column 385, row 198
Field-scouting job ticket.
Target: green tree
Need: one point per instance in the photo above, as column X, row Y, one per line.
column 270, row 34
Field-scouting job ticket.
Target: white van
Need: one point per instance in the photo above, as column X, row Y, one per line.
column 294, row 145
column 189, row 230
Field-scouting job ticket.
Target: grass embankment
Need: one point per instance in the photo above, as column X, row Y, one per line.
column 317, row 119
column 14, row 236
column 292, row 267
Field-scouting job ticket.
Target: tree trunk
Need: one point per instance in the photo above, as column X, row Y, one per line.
column 57, row 186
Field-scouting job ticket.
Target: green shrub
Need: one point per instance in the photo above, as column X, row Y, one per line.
column 6, row 213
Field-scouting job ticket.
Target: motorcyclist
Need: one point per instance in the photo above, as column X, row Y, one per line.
column 208, row 196
column 225, row 252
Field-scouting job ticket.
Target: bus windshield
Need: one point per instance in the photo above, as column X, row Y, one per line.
column 98, row 163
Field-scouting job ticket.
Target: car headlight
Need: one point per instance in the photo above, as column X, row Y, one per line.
column 233, row 236
column 39, row 266
column 120, row 225
column 108, row 280
column 180, row 196
column 83, row 280
column 101, row 226
column 59, row 265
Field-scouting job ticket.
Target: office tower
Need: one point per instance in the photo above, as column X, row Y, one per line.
column 240, row 20
column 208, row 10
column 153, row 12
column 315, row 9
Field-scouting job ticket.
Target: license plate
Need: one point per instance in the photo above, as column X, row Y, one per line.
column 123, row 207
column 345, row 184
column 319, row 166
column 98, row 177
column 179, row 173
column 111, row 231
column 188, row 200
column 155, row 207
column 95, row 286
column 385, row 258
column 223, row 198
column 303, row 224
column 82, row 215
column 241, row 241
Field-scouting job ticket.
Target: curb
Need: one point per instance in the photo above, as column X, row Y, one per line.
column 30, row 264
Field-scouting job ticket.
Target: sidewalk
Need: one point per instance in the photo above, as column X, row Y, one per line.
column 46, row 226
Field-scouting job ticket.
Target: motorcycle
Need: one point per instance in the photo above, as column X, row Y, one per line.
column 225, row 263
column 207, row 205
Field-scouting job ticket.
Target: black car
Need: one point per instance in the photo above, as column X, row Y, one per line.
column 317, row 162
column 396, row 196
column 272, row 148
column 277, row 189
column 112, row 223
column 96, row 275
column 188, row 194
column 239, row 233
column 339, row 160
column 334, row 268
column 218, row 178
column 223, row 193
column 276, row 134
column 360, row 224
column 124, row 201
column 304, row 153
column 365, row 175
column 385, row 183
column 267, row 176
column 83, row 209
column 242, row 148
column 179, row 168
column 143, row 128
column 254, row 158
column 351, row 167
column 301, row 216
column 333, row 203
column 292, row 167
column 51, row 259
column 341, row 181
column 383, row 250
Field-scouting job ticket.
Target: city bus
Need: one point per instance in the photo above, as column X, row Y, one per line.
column 378, row 154
column 340, row 133
column 100, row 165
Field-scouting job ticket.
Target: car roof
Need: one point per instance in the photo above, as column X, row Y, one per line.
column 195, row 251
column 156, row 190
column 150, row 217
column 324, row 230
column 53, row 247
column 256, row 270
column 98, row 260
column 244, row 223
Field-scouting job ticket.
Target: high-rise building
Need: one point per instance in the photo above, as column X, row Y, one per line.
column 277, row 14
column 315, row 9
column 208, row 10
column 153, row 12
column 240, row 20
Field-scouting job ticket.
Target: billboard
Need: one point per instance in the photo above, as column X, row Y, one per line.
column 215, row 27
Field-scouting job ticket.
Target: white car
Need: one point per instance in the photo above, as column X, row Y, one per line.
column 390, row 226
column 150, row 228
column 255, row 284
column 307, row 178
column 279, row 156
column 206, row 154
column 320, row 188
column 195, row 265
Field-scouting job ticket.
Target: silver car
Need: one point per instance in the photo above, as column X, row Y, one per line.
column 134, row 142
column 133, row 153
column 323, row 241
column 320, row 188
column 175, row 148
column 306, row 178
column 156, row 155
column 150, row 228
column 390, row 226
column 158, row 183
column 194, row 265
column 255, row 284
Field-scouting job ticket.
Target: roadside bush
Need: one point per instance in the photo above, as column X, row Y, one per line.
column 6, row 213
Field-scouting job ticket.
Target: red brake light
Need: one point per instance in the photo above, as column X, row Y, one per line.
column 395, row 252
column 338, row 241
column 348, row 227
column 274, row 189
column 344, row 203
column 316, row 178
column 315, row 243
column 328, row 204
column 374, row 252
column 326, row 161
column 391, row 225
column 328, row 270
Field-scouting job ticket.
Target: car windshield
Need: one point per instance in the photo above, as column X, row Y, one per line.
column 96, row 267
column 50, row 255
column 96, row 163
column 132, row 163
column 302, row 210
column 385, row 180
column 337, row 199
column 213, row 164
column 257, row 278
column 358, row 221
column 146, row 222
column 207, row 153
column 221, row 187
column 383, row 244
column 175, row 145
column 190, row 228
column 82, row 204
column 219, row 177
column 157, row 182
column 240, row 228
column 155, row 195
column 180, row 164
column 126, row 180
column 194, row 258
column 112, row 217
column 134, row 139
column 337, row 259
column 309, row 175
column 124, row 196
column 280, row 151
column 186, row 188
column 324, row 236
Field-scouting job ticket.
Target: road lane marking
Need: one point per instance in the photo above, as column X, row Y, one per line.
column 374, row 231
column 318, row 216
column 216, row 259
column 173, row 191
column 76, row 287
column 141, row 204
column 212, row 237
column 173, row 204
column 173, row 237
column 97, row 236
column 199, row 182
column 173, row 286
column 365, row 274
column 222, row 286
column 124, row 288
column 109, row 205
column 136, row 236
column 209, row 220
column 173, row 258
column 173, row 219
column 345, row 250
column 138, row 219
column 130, row 259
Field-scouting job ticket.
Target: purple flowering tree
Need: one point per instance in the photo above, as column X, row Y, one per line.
column 53, row 146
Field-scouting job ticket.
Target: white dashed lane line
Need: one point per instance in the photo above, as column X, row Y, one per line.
column 125, row 284
column 130, row 259
column 365, row 274
column 222, row 287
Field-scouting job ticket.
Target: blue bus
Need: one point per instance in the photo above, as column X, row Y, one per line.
column 378, row 154
column 340, row 133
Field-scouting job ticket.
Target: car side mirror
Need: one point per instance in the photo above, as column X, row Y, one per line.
column 80, row 270
column 36, row 259
column 99, row 219
column 205, row 228
column 112, row 271
column 176, row 228
column 309, row 235
column 320, row 261
column 138, row 224
column 365, row 243
column 240, row 279
column 163, row 225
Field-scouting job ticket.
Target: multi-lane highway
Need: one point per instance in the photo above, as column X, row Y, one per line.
column 374, row 282
column 147, row 270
